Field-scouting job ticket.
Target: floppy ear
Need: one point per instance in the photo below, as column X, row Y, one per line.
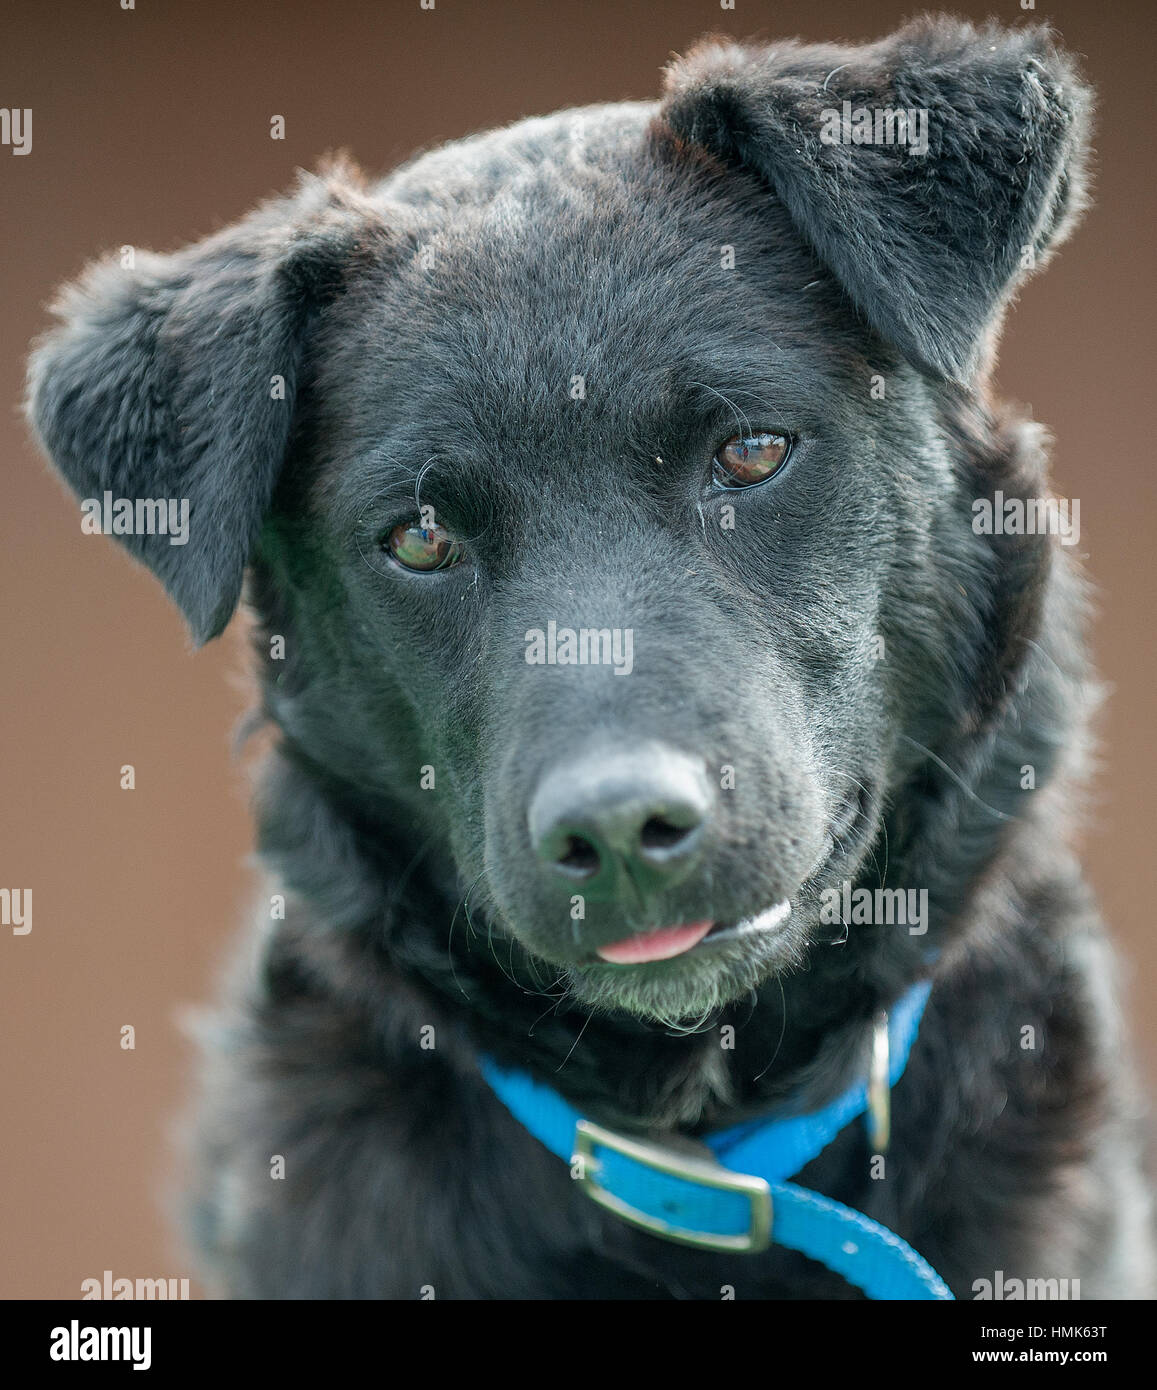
column 929, row 246
column 159, row 381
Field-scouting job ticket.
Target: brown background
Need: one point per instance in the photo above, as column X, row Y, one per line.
column 151, row 127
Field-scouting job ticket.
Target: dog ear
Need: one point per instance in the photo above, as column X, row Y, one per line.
column 176, row 379
column 929, row 246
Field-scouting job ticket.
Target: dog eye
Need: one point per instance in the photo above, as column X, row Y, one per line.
column 417, row 547
column 747, row 459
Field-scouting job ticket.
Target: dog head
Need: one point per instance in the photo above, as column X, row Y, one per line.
column 609, row 480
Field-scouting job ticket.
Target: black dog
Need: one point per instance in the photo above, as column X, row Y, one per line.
column 655, row 705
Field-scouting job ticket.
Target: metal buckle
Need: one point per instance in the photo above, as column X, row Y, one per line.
column 880, row 1088
column 709, row 1173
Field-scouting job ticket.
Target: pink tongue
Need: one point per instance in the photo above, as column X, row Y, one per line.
column 655, row 945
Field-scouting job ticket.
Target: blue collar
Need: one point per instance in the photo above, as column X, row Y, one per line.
column 728, row 1191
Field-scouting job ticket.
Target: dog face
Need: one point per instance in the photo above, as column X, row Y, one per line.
column 609, row 478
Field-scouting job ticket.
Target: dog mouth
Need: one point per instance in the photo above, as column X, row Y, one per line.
column 681, row 939
column 713, row 948
column 664, row 943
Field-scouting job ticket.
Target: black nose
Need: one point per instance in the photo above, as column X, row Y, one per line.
column 621, row 825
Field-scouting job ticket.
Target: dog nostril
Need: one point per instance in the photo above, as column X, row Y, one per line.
column 659, row 834
column 580, row 856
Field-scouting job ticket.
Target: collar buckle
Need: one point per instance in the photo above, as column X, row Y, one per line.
column 879, row 1112
column 668, row 1177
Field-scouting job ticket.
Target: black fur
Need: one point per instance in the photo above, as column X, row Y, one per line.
column 589, row 243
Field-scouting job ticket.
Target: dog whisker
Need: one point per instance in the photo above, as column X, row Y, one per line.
column 960, row 782
column 578, row 1039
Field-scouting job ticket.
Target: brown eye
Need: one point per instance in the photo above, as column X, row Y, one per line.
column 751, row 458
column 417, row 547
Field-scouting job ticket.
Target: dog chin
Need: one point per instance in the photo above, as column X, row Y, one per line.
column 686, row 992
